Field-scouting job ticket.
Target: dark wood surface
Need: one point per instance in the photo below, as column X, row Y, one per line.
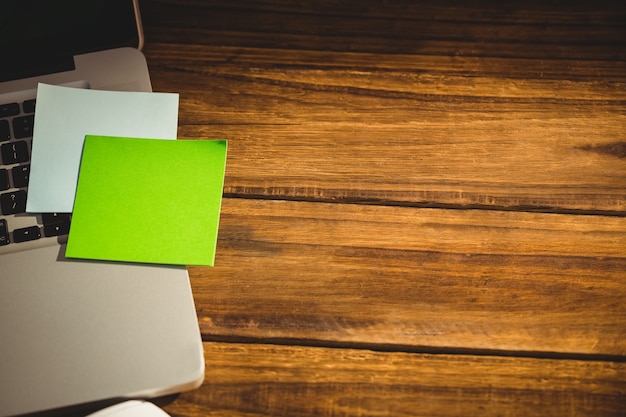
column 424, row 206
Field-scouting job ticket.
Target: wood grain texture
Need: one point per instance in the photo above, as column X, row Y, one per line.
column 438, row 279
column 266, row 380
column 425, row 204
column 531, row 29
column 315, row 118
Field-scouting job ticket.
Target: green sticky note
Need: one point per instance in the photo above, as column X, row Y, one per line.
column 148, row 200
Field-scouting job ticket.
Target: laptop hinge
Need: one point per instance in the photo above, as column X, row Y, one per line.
column 35, row 67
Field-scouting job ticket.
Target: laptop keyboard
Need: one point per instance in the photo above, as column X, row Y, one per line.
column 20, row 230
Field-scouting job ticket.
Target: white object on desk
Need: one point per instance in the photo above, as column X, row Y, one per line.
column 132, row 408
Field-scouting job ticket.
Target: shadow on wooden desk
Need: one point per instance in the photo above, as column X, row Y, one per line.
column 425, row 204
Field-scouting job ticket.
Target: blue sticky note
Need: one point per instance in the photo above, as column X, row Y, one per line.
column 65, row 115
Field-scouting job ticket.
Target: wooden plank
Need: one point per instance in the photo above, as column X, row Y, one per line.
column 433, row 132
column 432, row 279
column 534, row 29
column 413, row 104
column 262, row 380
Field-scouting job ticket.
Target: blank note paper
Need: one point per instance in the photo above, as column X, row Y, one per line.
column 65, row 115
column 148, row 200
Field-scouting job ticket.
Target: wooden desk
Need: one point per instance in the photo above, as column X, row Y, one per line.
column 425, row 205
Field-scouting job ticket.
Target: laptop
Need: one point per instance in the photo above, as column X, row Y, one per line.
column 77, row 332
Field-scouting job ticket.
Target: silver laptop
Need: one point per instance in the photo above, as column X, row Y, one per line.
column 78, row 332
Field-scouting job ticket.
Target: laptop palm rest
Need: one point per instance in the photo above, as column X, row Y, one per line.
column 113, row 330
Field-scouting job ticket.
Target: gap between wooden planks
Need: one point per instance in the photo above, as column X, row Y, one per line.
column 260, row 380
column 430, row 278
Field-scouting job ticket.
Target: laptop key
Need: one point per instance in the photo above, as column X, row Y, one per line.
column 58, row 229
column 56, row 224
column 52, row 218
column 4, row 233
column 5, row 132
column 29, row 106
column 23, row 126
column 14, row 152
column 20, row 176
column 26, row 233
column 9, row 109
column 13, row 202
